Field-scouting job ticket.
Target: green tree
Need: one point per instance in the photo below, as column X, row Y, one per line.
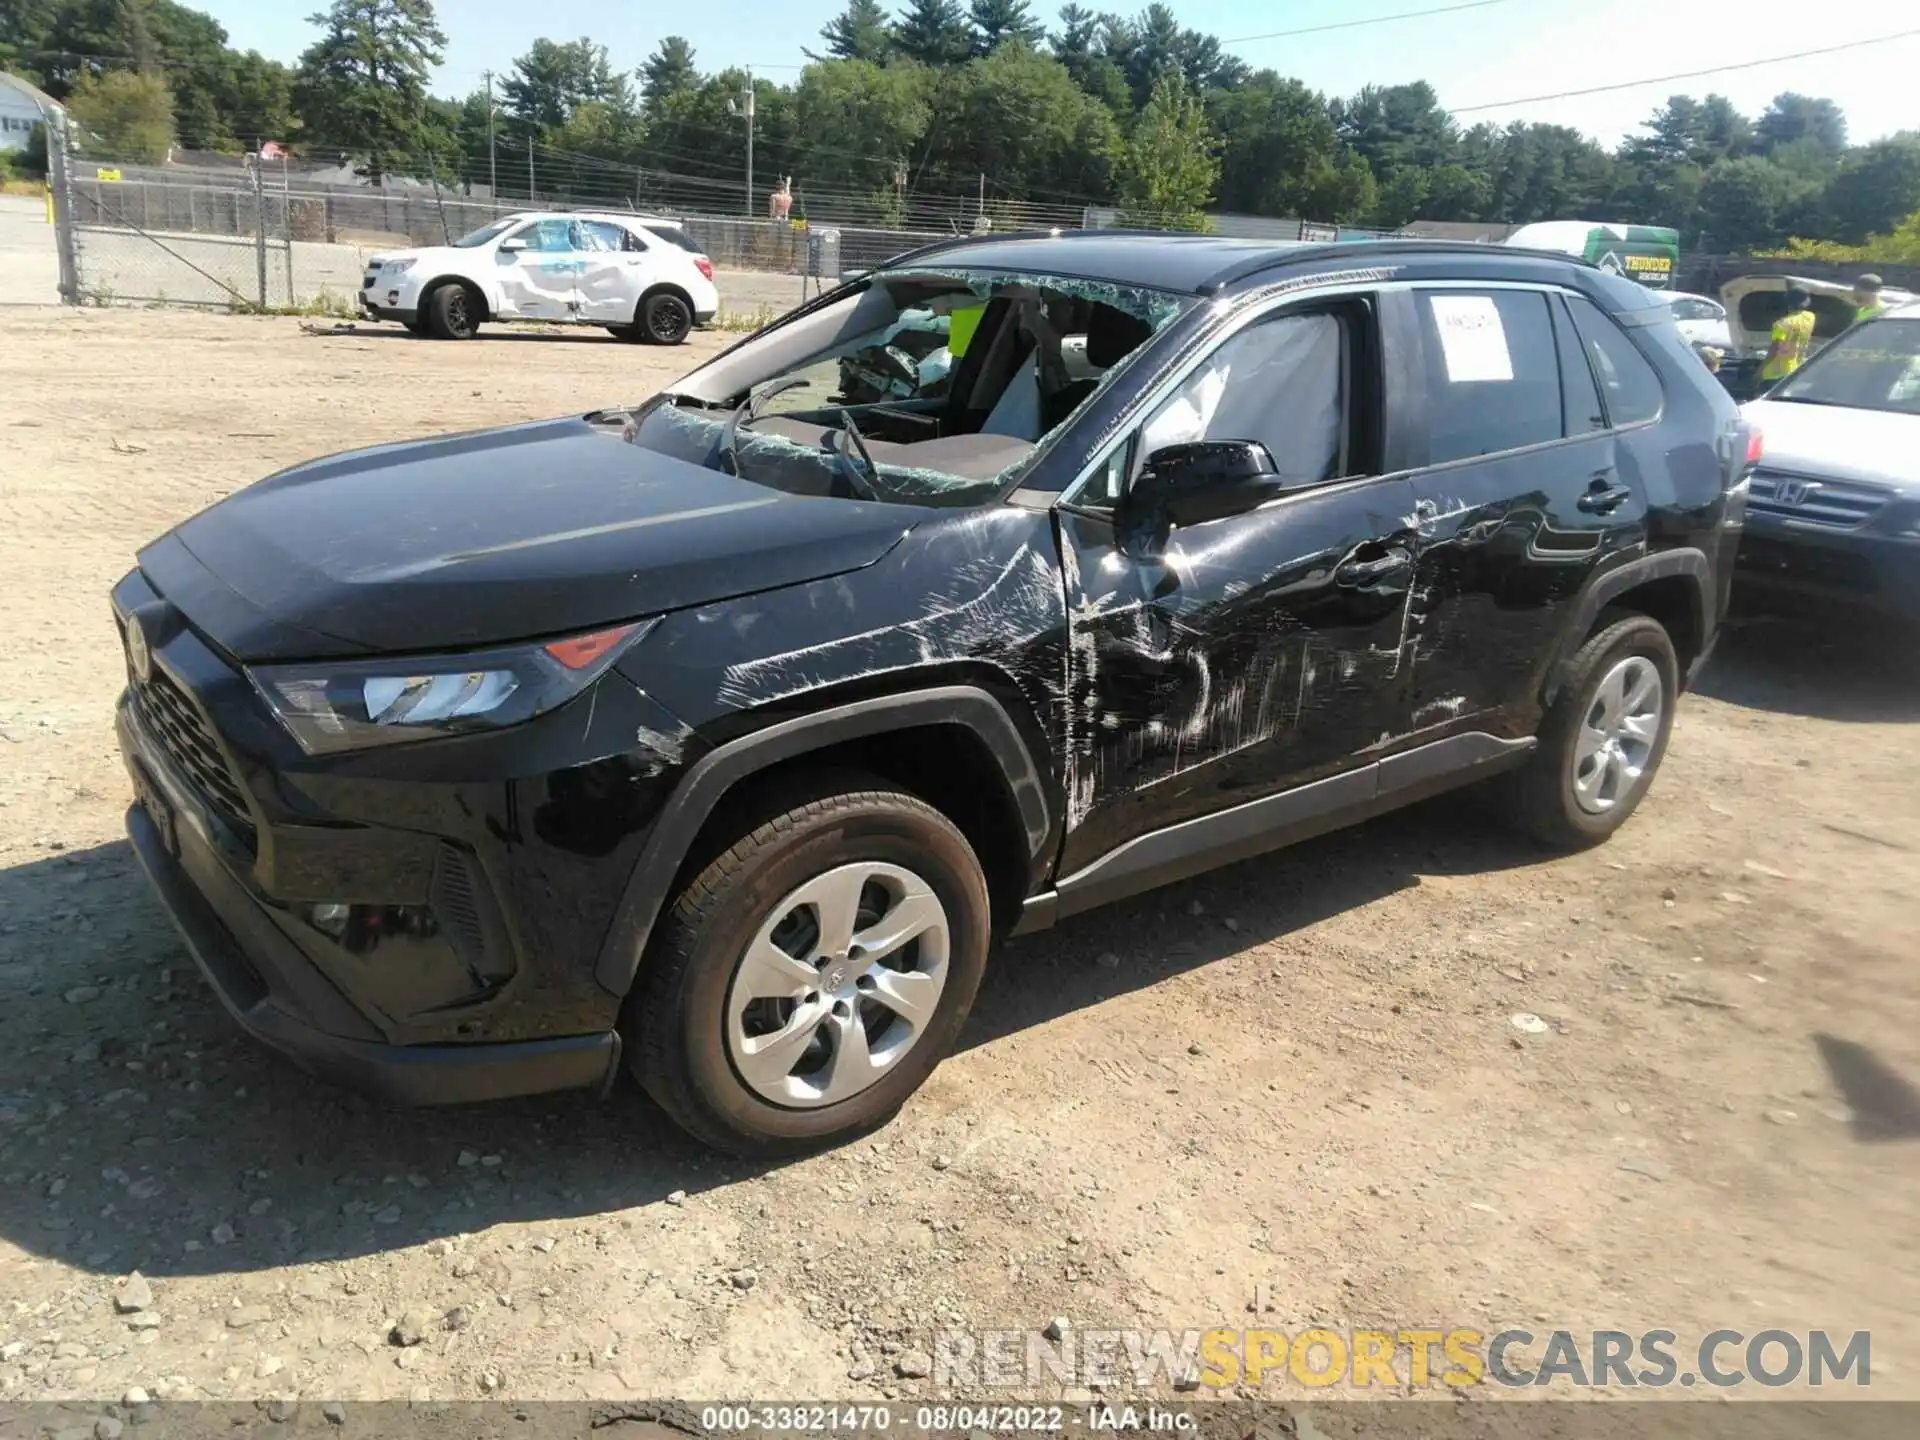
column 256, row 103
column 553, row 80
column 1018, row 117
column 1168, row 169
column 993, row 23
column 1280, row 155
column 1080, row 45
column 1794, row 117
column 670, row 69
column 1877, row 186
column 840, row 106
column 363, row 85
column 933, row 32
column 79, row 32
column 124, row 115
column 859, row 32
column 1744, row 203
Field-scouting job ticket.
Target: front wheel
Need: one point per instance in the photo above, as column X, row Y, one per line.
column 453, row 313
column 1603, row 738
column 813, row 974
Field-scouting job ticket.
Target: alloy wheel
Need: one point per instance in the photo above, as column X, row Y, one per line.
column 840, row 982
column 1618, row 735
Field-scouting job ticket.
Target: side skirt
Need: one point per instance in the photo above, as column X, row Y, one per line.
column 1195, row 846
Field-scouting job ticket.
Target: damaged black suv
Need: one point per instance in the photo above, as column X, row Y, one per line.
column 719, row 735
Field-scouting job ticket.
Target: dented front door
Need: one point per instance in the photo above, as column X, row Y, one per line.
column 1246, row 656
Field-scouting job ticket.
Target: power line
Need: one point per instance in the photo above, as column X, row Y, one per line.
column 1684, row 74
column 1357, row 24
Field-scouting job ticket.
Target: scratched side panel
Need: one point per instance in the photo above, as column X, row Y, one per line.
column 1505, row 551
column 971, row 595
column 1230, row 665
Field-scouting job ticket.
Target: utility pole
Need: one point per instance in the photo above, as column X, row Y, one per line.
column 748, row 101
column 530, row 184
column 493, row 160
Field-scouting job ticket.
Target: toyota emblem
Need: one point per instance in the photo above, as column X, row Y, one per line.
column 139, row 657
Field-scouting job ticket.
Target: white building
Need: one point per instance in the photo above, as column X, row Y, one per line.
column 22, row 106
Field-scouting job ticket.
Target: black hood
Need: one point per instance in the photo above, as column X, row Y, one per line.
column 498, row 535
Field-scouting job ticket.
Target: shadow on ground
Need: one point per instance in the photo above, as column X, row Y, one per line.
column 139, row 1128
column 1885, row 1104
column 1822, row 665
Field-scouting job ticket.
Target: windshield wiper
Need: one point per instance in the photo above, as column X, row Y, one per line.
column 749, row 410
column 865, row 486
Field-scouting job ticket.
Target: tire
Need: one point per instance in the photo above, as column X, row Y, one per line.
column 665, row 319
column 705, row 1034
column 453, row 313
column 1571, row 795
column 416, row 326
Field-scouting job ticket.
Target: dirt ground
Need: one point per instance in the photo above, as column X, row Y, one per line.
column 1295, row 1085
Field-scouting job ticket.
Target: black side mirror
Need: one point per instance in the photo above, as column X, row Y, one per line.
column 1205, row 480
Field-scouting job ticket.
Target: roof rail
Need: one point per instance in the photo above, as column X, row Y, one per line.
column 1341, row 249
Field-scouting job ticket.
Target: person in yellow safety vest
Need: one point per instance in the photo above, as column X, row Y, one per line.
column 1866, row 298
column 1792, row 337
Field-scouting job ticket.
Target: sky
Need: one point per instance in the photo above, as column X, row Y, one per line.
column 1484, row 55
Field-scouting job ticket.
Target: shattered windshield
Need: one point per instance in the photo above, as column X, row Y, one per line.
column 928, row 386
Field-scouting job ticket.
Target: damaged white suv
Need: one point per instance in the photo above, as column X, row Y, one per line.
column 639, row 278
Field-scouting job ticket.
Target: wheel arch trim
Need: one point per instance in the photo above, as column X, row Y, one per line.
column 1610, row 585
column 710, row 778
column 454, row 277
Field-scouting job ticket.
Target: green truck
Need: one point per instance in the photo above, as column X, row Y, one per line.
column 1648, row 254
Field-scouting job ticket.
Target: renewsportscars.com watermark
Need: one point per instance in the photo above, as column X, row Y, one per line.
column 1024, row 1360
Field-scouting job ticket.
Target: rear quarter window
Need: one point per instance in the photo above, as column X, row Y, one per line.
column 1628, row 383
column 673, row 235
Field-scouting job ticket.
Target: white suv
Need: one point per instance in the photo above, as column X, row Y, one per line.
column 640, row 278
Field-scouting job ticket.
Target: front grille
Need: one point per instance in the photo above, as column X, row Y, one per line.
column 174, row 720
column 1840, row 503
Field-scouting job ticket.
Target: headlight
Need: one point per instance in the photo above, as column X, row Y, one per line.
column 395, row 267
column 351, row 704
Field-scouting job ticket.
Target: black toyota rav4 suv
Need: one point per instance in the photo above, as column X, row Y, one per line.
column 719, row 735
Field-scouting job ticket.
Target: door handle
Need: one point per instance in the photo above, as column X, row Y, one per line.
column 1355, row 574
column 1603, row 496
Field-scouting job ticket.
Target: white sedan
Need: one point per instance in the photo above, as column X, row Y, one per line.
column 640, row 278
column 1701, row 321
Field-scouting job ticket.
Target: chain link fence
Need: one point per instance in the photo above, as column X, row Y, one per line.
column 253, row 236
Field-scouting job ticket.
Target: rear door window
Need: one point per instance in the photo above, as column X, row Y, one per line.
column 1493, row 373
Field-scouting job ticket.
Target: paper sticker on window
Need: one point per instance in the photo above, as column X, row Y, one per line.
column 1472, row 339
column 960, row 328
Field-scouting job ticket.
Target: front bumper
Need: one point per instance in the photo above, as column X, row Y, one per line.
column 1860, row 569
column 277, row 995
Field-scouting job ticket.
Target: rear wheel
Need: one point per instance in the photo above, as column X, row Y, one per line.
column 453, row 313
column 665, row 319
column 814, row 973
column 1603, row 738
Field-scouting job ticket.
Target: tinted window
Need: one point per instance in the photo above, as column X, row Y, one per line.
column 1493, row 378
column 673, row 235
column 1580, row 396
column 1627, row 381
